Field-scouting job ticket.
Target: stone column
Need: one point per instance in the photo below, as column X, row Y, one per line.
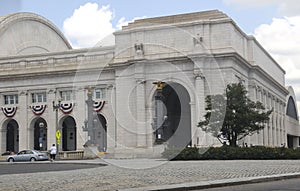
column 270, row 125
column 109, row 108
column 140, row 114
column 265, row 130
column 261, row 132
column 199, row 106
column 80, row 116
column 51, row 123
column 24, row 125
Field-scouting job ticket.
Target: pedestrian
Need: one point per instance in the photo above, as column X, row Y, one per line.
column 52, row 152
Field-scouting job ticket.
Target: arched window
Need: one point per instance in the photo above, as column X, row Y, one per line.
column 291, row 108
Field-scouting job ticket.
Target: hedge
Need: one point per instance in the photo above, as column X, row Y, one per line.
column 231, row 153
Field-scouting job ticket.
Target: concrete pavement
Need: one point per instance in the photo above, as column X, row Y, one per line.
column 153, row 174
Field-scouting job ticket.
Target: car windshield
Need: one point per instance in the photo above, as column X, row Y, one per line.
column 21, row 152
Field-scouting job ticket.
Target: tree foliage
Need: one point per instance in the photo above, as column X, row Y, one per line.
column 233, row 116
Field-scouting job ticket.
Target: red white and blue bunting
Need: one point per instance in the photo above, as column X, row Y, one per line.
column 9, row 111
column 67, row 108
column 98, row 105
column 38, row 109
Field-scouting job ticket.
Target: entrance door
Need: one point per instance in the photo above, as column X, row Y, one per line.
column 100, row 133
column 12, row 136
column 176, row 127
column 69, row 134
column 40, row 134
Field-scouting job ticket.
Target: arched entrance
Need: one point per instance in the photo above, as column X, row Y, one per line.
column 12, row 136
column 40, row 134
column 100, row 133
column 173, row 115
column 69, row 134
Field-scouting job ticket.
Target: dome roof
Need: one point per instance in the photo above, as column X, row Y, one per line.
column 28, row 33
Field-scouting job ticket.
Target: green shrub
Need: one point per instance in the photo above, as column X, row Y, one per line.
column 231, row 153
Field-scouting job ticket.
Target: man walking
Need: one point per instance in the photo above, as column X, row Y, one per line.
column 52, row 152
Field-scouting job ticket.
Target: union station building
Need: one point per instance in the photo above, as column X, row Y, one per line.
column 148, row 89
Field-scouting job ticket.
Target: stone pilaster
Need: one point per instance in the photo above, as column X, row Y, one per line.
column 140, row 114
column 51, row 122
column 199, row 107
column 24, row 124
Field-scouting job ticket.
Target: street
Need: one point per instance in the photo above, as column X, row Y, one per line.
column 286, row 185
column 127, row 174
column 20, row 168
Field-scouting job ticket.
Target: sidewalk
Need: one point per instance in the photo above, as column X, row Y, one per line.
column 151, row 174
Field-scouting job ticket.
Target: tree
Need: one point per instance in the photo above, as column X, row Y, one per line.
column 233, row 116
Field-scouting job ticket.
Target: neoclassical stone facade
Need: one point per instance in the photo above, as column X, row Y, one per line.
column 44, row 84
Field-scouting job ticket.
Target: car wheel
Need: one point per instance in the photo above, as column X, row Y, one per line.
column 32, row 159
column 10, row 160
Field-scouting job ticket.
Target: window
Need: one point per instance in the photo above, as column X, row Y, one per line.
column 11, row 99
column 38, row 97
column 99, row 93
column 66, row 95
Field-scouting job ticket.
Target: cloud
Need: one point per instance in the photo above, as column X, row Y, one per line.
column 285, row 7
column 88, row 25
column 281, row 40
column 92, row 26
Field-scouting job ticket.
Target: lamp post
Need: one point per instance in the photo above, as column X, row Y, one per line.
column 56, row 108
column 160, row 115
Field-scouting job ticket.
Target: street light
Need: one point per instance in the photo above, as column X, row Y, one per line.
column 160, row 116
column 56, row 108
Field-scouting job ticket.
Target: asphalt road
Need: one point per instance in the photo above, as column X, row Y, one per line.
column 20, row 168
column 280, row 185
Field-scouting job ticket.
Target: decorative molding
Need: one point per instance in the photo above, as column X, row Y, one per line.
column 198, row 74
column 140, row 81
column 197, row 40
column 139, row 49
column 23, row 93
column 51, row 91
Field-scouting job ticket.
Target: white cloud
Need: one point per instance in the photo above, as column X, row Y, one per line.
column 281, row 40
column 88, row 25
column 92, row 26
column 285, row 7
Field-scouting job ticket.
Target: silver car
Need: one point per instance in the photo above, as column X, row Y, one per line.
column 27, row 155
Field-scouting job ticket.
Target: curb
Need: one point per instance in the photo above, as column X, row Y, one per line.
column 56, row 162
column 215, row 183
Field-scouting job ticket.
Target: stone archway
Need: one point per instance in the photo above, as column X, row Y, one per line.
column 173, row 115
column 40, row 134
column 12, row 136
column 69, row 140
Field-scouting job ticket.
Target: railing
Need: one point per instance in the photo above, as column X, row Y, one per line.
column 70, row 155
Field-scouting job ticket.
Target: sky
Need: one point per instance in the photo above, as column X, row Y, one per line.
column 274, row 23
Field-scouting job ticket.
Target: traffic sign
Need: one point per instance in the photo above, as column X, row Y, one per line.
column 58, row 134
column 57, row 141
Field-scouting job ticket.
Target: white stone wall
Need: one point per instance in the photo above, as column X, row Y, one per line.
column 202, row 56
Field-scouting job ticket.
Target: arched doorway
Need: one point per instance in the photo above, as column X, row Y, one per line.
column 100, row 133
column 12, row 136
column 174, row 113
column 69, row 134
column 40, row 134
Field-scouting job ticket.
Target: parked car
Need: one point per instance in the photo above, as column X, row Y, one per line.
column 28, row 155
